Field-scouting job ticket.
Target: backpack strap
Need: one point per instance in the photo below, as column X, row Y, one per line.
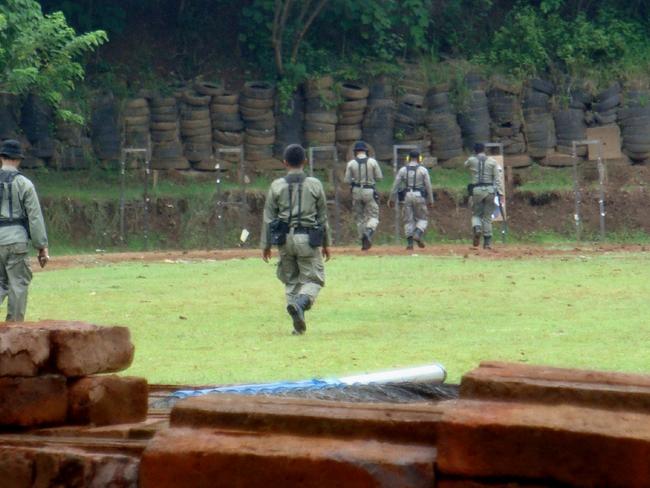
column 481, row 169
column 295, row 179
column 7, row 178
column 362, row 163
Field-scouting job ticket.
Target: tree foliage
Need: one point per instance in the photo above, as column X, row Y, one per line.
column 41, row 53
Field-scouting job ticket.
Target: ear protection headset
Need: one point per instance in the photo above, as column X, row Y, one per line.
column 420, row 158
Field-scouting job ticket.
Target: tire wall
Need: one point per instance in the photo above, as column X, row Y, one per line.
column 201, row 124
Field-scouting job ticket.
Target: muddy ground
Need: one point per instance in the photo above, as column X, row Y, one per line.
column 501, row 251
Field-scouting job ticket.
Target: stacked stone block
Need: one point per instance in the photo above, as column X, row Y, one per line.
column 53, row 373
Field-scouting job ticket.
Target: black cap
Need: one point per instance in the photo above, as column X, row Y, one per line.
column 479, row 147
column 360, row 146
column 414, row 154
column 11, row 149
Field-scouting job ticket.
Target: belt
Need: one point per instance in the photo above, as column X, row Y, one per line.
column 478, row 185
column 301, row 230
column 368, row 187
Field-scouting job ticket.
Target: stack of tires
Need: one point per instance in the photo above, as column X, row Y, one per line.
column 634, row 120
column 256, row 106
column 539, row 126
column 166, row 147
column 8, row 116
column 410, row 125
column 105, row 130
column 350, row 115
column 379, row 119
column 289, row 125
column 196, row 129
column 137, row 119
column 606, row 105
column 570, row 126
column 413, row 80
column 73, row 148
column 320, row 112
column 474, row 117
column 227, row 125
column 505, row 114
column 36, row 122
column 444, row 131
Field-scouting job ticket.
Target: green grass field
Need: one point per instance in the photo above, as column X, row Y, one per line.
column 224, row 321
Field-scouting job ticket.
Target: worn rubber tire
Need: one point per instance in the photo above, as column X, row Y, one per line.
column 352, row 91
column 258, row 89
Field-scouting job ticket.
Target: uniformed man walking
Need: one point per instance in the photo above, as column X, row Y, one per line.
column 295, row 220
column 20, row 219
column 362, row 173
column 412, row 187
column 487, row 180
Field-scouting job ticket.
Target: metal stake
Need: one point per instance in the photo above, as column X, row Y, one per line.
column 333, row 164
column 601, row 183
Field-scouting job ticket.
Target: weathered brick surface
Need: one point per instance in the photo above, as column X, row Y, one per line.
column 415, row 424
column 200, row 458
column 83, row 349
column 564, row 444
column 32, row 401
column 75, row 348
column 469, row 483
column 107, row 400
column 542, row 384
column 70, row 468
column 23, row 352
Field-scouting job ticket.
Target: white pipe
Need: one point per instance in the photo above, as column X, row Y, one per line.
column 432, row 373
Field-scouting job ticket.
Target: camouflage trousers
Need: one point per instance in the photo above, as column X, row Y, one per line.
column 366, row 210
column 416, row 213
column 300, row 267
column 15, row 277
column 483, row 207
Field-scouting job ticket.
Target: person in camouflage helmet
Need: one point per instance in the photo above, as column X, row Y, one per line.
column 487, row 181
column 295, row 220
column 362, row 173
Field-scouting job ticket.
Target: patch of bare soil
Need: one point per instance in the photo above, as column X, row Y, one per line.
column 500, row 251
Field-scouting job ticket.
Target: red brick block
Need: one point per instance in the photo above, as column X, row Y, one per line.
column 543, row 384
column 178, row 458
column 26, row 402
column 107, row 400
column 81, row 349
column 414, row 424
column 22, row 467
column 23, row 352
column 563, row 444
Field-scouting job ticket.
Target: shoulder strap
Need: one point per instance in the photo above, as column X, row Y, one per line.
column 7, row 178
column 414, row 170
column 364, row 163
column 481, row 169
column 295, row 179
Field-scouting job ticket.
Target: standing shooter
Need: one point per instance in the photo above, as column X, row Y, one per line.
column 487, row 180
column 362, row 173
column 413, row 187
column 295, row 220
column 20, row 219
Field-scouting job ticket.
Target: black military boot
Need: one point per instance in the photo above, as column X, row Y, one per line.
column 417, row 237
column 297, row 310
column 476, row 236
column 409, row 243
column 487, row 242
column 366, row 240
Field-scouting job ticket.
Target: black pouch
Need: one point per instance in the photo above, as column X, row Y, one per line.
column 401, row 195
column 470, row 189
column 375, row 195
column 316, row 236
column 278, row 231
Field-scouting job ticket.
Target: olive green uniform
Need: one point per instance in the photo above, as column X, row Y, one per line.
column 413, row 180
column 362, row 174
column 487, row 180
column 303, row 207
column 15, row 271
